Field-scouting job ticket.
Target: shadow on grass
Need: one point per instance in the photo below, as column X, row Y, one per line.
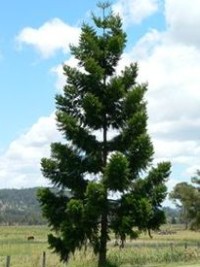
column 111, row 264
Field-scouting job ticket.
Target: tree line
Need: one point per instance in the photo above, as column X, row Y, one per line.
column 186, row 197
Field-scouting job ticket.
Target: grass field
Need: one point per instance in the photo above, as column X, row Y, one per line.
column 179, row 249
column 24, row 253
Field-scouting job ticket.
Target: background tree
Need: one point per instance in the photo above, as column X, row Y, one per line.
column 195, row 208
column 187, row 197
column 182, row 195
column 196, row 180
column 103, row 117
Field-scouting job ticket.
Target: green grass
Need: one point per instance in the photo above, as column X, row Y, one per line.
column 181, row 265
column 13, row 240
column 24, row 253
column 161, row 251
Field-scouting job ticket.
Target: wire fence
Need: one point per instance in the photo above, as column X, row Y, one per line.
column 40, row 260
column 24, row 260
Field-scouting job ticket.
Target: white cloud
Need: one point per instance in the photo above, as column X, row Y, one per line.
column 170, row 62
column 52, row 36
column 172, row 72
column 183, row 20
column 147, row 43
column 171, row 69
column 135, row 11
column 181, row 152
column 20, row 163
column 58, row 71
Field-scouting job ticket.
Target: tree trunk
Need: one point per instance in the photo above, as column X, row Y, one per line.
column 103, row 240
column 104, row 217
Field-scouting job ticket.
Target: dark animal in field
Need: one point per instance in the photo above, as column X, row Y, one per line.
column 31, row 237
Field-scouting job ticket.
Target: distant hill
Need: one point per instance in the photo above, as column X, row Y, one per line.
column 20, row 206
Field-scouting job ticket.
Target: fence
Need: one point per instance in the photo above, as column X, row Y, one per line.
column 172, row 247
column 43, row 263
column 171, row 244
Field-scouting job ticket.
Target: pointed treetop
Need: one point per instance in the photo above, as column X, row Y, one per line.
column 104, row 5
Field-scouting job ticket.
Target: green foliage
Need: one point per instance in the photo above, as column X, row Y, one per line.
column 117, row 173
column 95, row 101
column 187, row 197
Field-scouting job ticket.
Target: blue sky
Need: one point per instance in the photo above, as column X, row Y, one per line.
column 26, row 83
column 163, row 37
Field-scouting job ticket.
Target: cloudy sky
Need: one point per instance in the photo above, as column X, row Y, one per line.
column 163, row 37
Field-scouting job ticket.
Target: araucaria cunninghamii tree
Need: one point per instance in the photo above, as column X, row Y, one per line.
column 107, row 152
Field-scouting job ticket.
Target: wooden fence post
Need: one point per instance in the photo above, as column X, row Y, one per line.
column 8, row 261
column 44, row 259
column 172, row 247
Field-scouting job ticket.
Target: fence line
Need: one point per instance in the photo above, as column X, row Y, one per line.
column 168, row 244
column 8, row 260
column 171, row 245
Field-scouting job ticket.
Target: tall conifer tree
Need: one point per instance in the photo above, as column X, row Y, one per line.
column 107, row 152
